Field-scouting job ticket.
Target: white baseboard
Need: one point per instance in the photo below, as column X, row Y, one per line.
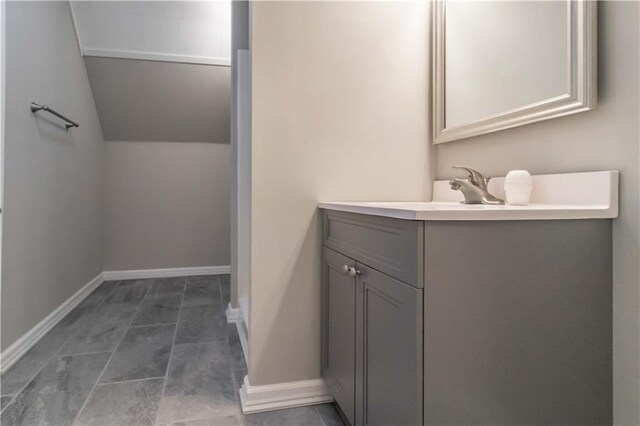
column 166, row 272
column 244, row 339
column 21, row 346
column 233, row 314
column 255, row 399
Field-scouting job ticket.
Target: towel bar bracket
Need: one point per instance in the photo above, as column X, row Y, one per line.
column 68, row 123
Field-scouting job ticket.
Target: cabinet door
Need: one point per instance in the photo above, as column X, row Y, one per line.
column 388, row 350
column 338, row 329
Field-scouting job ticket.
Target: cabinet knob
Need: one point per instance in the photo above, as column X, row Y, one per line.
column 354, row 272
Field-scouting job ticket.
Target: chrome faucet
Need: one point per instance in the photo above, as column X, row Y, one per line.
column 475, row 188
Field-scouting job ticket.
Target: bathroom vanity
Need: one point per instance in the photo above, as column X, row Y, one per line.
column 443, row 313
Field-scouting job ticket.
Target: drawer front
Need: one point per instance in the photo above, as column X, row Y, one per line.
column 392, row 246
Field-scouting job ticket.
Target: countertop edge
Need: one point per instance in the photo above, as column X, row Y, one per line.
column 576, row 213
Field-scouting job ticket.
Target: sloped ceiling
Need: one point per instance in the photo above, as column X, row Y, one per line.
column 174, row 31
column 161, row 101
column 159, row 70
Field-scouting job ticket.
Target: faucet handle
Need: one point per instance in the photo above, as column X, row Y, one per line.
column 475, row 177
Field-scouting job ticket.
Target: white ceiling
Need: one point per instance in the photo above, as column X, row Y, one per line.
column 174, row 31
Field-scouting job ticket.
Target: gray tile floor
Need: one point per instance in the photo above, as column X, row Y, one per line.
column 141, row 352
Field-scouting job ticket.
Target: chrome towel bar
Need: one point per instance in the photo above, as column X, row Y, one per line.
column 67, row 122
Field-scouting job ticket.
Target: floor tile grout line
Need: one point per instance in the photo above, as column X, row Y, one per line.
column 158, row 324
column 154, row 281
column 118, row 283
column 84, row 353
column 320, row 415
column 57, row 354
column 155, row 298
column 128, row 381
column 220, row 292
column 205, row 342
column 10, row 402
column 95, row 384
column 173, row 345
column 124, row 334
column 106, row 296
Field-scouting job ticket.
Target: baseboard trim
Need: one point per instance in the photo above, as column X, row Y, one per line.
column 244, row 338
column 21, row 346
column 255, row 399
column 233, row 314
column 165, row 272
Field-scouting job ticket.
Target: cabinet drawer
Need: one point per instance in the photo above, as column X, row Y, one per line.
column 393, row 246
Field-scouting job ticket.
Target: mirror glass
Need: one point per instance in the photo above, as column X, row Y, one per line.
column 503, row 55
column 506, row 63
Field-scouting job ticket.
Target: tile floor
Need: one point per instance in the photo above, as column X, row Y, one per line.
column 141, row 352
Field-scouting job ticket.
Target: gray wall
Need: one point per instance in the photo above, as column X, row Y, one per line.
column 599, row 140
column 52, row 231
column 166, row 205
column 161, row 101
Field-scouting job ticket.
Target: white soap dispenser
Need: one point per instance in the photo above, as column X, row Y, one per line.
column 517, row 187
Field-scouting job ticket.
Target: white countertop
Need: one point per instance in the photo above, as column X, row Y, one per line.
column 592, row 195
column 457, row 211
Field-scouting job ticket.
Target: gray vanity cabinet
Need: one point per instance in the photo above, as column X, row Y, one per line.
column 388, row 350
column 338, row 329
column 372, row 318
column 468, row 322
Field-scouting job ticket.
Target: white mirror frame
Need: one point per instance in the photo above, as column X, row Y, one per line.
column 582, row 78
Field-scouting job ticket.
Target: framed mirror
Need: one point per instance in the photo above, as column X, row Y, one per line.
column 507, row 63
